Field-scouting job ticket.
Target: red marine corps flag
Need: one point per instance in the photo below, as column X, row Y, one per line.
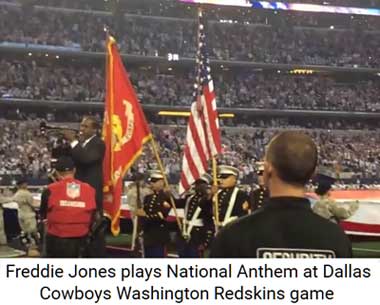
column 125, row 131
column 203, row 136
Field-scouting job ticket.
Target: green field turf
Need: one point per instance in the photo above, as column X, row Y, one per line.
column 366, row 249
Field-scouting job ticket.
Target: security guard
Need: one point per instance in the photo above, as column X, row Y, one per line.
column 156, row 209
column 232, row 202
column 261, row 194
column 326, row 206
column 198, row 226
column 68, row 207
column 286, row 226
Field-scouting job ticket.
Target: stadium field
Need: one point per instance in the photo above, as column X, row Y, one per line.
column 366, row 249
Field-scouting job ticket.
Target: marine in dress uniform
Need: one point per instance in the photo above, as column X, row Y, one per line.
column 156, row 209
column 198, row 225
column 261, row 194
column 286, row 226
column 326, row 206
column 232, row 202
column 68, row 208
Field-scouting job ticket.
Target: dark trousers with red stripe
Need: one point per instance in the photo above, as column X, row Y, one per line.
column 155, row 251
column 188, row 250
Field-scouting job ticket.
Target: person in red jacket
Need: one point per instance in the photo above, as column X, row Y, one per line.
column 68, row 208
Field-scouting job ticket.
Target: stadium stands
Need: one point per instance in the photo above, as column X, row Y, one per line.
column 24, row 151
column 54, row 80
column 158, row 37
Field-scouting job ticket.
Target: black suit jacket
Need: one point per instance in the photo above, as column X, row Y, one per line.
column 89, row 166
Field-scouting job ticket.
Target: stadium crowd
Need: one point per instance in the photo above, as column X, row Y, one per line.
column 101, row 4
column 25, row 151
column 158, row 37
column 175, row 9
column 53, row 80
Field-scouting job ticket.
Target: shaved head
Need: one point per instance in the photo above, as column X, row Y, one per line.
column 93, row 121
column 294, row 156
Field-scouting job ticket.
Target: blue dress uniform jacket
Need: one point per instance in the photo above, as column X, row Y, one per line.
column 198, row 224
column 285, row 227
column 155, row 227
column 258, row 197
column 224, row 197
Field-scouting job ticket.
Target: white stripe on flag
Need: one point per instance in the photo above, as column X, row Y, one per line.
column 186, row 171
column 194, row 154
column 199, row 129
column 213, row 150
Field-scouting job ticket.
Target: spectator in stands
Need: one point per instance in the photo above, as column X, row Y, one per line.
column 268, row 43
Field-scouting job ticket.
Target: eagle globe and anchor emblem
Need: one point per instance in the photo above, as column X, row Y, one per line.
column 121, row 137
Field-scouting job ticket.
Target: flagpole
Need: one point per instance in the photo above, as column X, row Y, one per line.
column 155, row 151
column 215, row 197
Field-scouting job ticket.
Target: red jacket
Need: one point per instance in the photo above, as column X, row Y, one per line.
column 71, row 205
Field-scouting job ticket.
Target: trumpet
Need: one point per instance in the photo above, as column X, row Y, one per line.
column 44, row 127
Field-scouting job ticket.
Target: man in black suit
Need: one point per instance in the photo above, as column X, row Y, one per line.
column 87, row 152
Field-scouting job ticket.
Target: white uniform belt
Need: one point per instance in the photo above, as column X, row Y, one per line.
column 195, row 222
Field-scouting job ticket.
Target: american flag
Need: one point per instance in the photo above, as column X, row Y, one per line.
column 203, row 136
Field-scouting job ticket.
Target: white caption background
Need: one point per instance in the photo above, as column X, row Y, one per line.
column 346, row 288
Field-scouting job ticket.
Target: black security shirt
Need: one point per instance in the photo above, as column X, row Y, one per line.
column 285, row 227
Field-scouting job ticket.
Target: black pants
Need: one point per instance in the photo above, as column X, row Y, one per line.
column 11, row 225
column 97, row 247
column 58, row 247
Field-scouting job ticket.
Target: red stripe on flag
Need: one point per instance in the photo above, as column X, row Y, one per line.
column 213, row 118
column 197, row 141
column 183, row 182
column 360, row 227
column 191, row 165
